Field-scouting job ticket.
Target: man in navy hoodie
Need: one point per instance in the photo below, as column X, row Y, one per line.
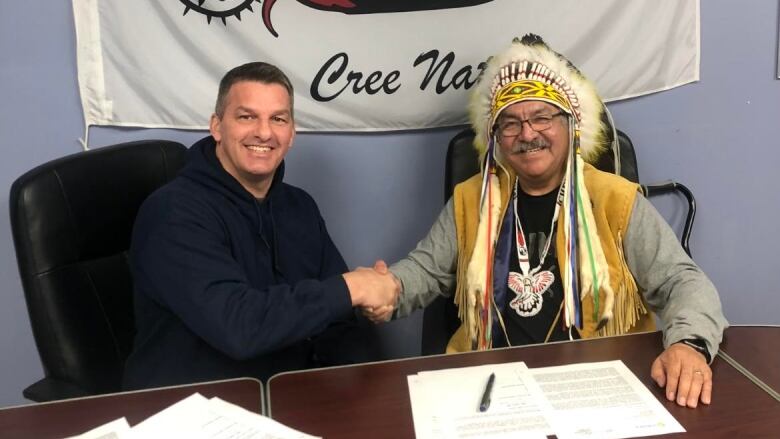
column 235, row 273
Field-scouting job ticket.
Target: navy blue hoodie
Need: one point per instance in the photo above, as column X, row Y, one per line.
column 226, row 285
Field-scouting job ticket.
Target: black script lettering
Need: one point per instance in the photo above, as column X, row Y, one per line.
column 336, row 66
column 391, row 78
column 334, row 76
column 440, row 69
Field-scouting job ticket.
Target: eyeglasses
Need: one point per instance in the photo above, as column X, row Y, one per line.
column 513, row 127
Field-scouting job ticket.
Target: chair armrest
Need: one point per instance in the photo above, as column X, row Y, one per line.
column 673, row 186
column 50, row 389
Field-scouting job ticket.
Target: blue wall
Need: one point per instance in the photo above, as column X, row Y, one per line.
column 380, row 192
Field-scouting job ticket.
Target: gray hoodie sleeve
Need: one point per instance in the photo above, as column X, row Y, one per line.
column 429, row 270
column 672, row 284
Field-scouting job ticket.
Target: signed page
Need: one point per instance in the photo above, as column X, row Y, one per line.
column 445, row 403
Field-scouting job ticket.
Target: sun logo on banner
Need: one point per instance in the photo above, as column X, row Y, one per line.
column 224, row 10
column 235, row 7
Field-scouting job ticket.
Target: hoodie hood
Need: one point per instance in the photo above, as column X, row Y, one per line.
column 204, row 167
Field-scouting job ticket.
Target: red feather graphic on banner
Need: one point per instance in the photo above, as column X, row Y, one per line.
column 234, row 8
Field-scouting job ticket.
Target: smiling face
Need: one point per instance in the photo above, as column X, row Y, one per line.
column 254, row 133
column 537, row 157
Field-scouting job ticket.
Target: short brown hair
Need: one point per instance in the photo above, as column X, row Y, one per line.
column 253, row 71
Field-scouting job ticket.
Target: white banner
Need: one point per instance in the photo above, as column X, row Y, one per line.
column 361, row 65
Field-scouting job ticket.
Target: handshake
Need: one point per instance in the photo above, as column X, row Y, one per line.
column 375, row 290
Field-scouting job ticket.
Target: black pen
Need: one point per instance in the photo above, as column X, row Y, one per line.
column 484, row 403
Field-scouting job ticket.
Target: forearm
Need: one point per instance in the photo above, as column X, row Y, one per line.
column 245, row 322
column 206, row 288
column 429, row 270
column 672, row 284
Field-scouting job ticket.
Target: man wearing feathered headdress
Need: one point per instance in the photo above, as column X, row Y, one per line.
column 540, row 246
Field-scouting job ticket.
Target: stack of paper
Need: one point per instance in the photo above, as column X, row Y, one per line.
column 198, row 417
column 445, row 403
column 604, row 400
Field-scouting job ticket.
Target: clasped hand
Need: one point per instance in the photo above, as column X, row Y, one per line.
column 375, row 290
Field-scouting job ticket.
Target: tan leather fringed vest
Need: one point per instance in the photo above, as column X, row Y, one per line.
column 613, row 200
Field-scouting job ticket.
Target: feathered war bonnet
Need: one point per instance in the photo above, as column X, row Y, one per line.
column 530, row 70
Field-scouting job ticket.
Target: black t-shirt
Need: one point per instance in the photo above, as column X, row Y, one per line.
column 536, row 214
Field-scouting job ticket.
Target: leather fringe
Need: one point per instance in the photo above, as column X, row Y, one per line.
column 629, row 306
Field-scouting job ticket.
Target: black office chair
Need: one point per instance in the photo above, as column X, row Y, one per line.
column 440, row 318
column 625, row 156
column 71, row 220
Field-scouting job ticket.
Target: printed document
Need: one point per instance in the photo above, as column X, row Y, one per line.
column 116, row 429
column 588, row 400
column 197, row 417
column 445, row 403
column 601, row 400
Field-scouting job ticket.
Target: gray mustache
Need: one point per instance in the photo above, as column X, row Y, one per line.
column 520, row 147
